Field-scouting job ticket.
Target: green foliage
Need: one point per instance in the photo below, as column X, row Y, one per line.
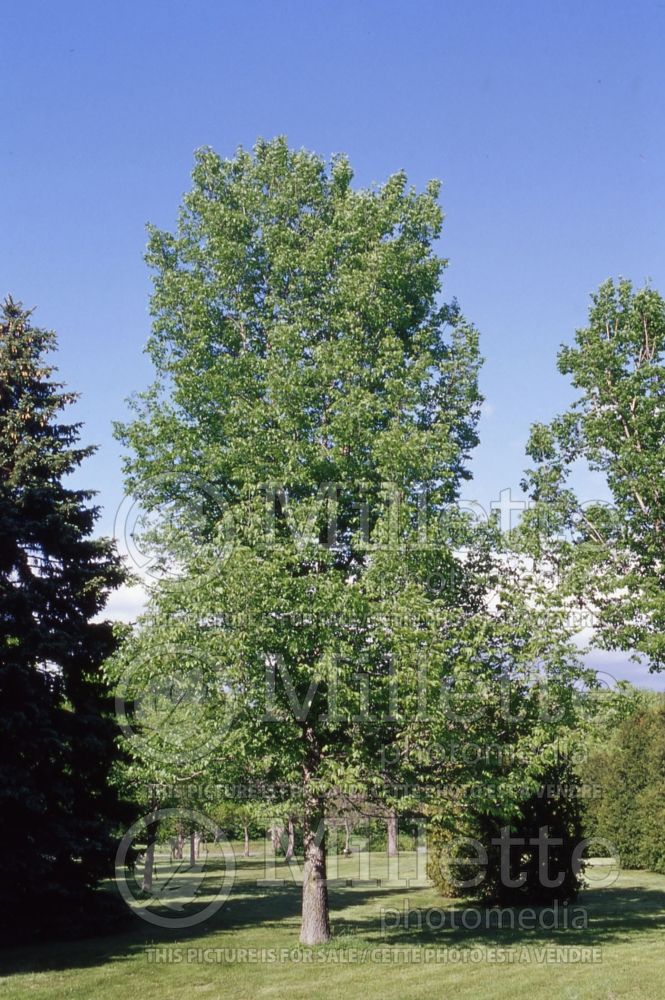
column 298, row 340
column 307, row 377
column 303, row 447
column 628, row 770
column 57, row 734
column 305, row 373
column 466, row 855
column 610, row 558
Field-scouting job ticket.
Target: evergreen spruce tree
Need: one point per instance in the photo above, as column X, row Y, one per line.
column 57, row 734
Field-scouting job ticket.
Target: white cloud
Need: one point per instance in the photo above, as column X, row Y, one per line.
column 616, row 665
column 125, row 604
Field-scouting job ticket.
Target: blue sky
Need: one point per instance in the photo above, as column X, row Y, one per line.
column 543, row 120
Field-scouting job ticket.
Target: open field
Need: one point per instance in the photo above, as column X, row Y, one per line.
column 367, row 958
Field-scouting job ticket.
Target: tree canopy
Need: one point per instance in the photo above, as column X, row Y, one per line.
column 610, row 556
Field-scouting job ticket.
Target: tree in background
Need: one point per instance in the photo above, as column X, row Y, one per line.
column 57, row 733
column 625, row 774
column 611, row 559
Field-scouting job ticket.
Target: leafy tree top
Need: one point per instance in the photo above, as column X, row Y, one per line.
column 613, row 555
column 298, row 338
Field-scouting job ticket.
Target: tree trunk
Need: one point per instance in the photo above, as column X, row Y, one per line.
column 149, row 858
column 291, row 843
column 148, row 866
column 315, row 927
column 246, row 850
column 315, row 918
column 347, row 836
column 392, row 834
column 177, row 845
column 192, row 848
column 276, row 837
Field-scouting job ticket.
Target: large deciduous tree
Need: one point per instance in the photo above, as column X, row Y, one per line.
column 57, row 732
column 304, row 443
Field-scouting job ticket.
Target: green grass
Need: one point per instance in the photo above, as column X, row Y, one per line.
column 625, row 922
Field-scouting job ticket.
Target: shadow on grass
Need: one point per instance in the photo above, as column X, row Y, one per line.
column 610, row 915
column 250, row 904
column 614, row 914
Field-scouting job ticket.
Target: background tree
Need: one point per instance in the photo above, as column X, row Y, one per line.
column 610, row 559
column 57, row 733
column 625, row 774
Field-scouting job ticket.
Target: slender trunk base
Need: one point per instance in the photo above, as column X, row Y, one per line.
column 276, row 836
column 149, row 858
column 392, row 834
column 291, row 842
column 347, row 836
column 148, row 867
column 246, row 850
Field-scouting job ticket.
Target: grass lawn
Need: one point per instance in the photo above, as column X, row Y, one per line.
column 625, row 931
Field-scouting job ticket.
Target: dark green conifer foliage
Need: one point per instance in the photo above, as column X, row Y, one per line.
column 57, row 735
